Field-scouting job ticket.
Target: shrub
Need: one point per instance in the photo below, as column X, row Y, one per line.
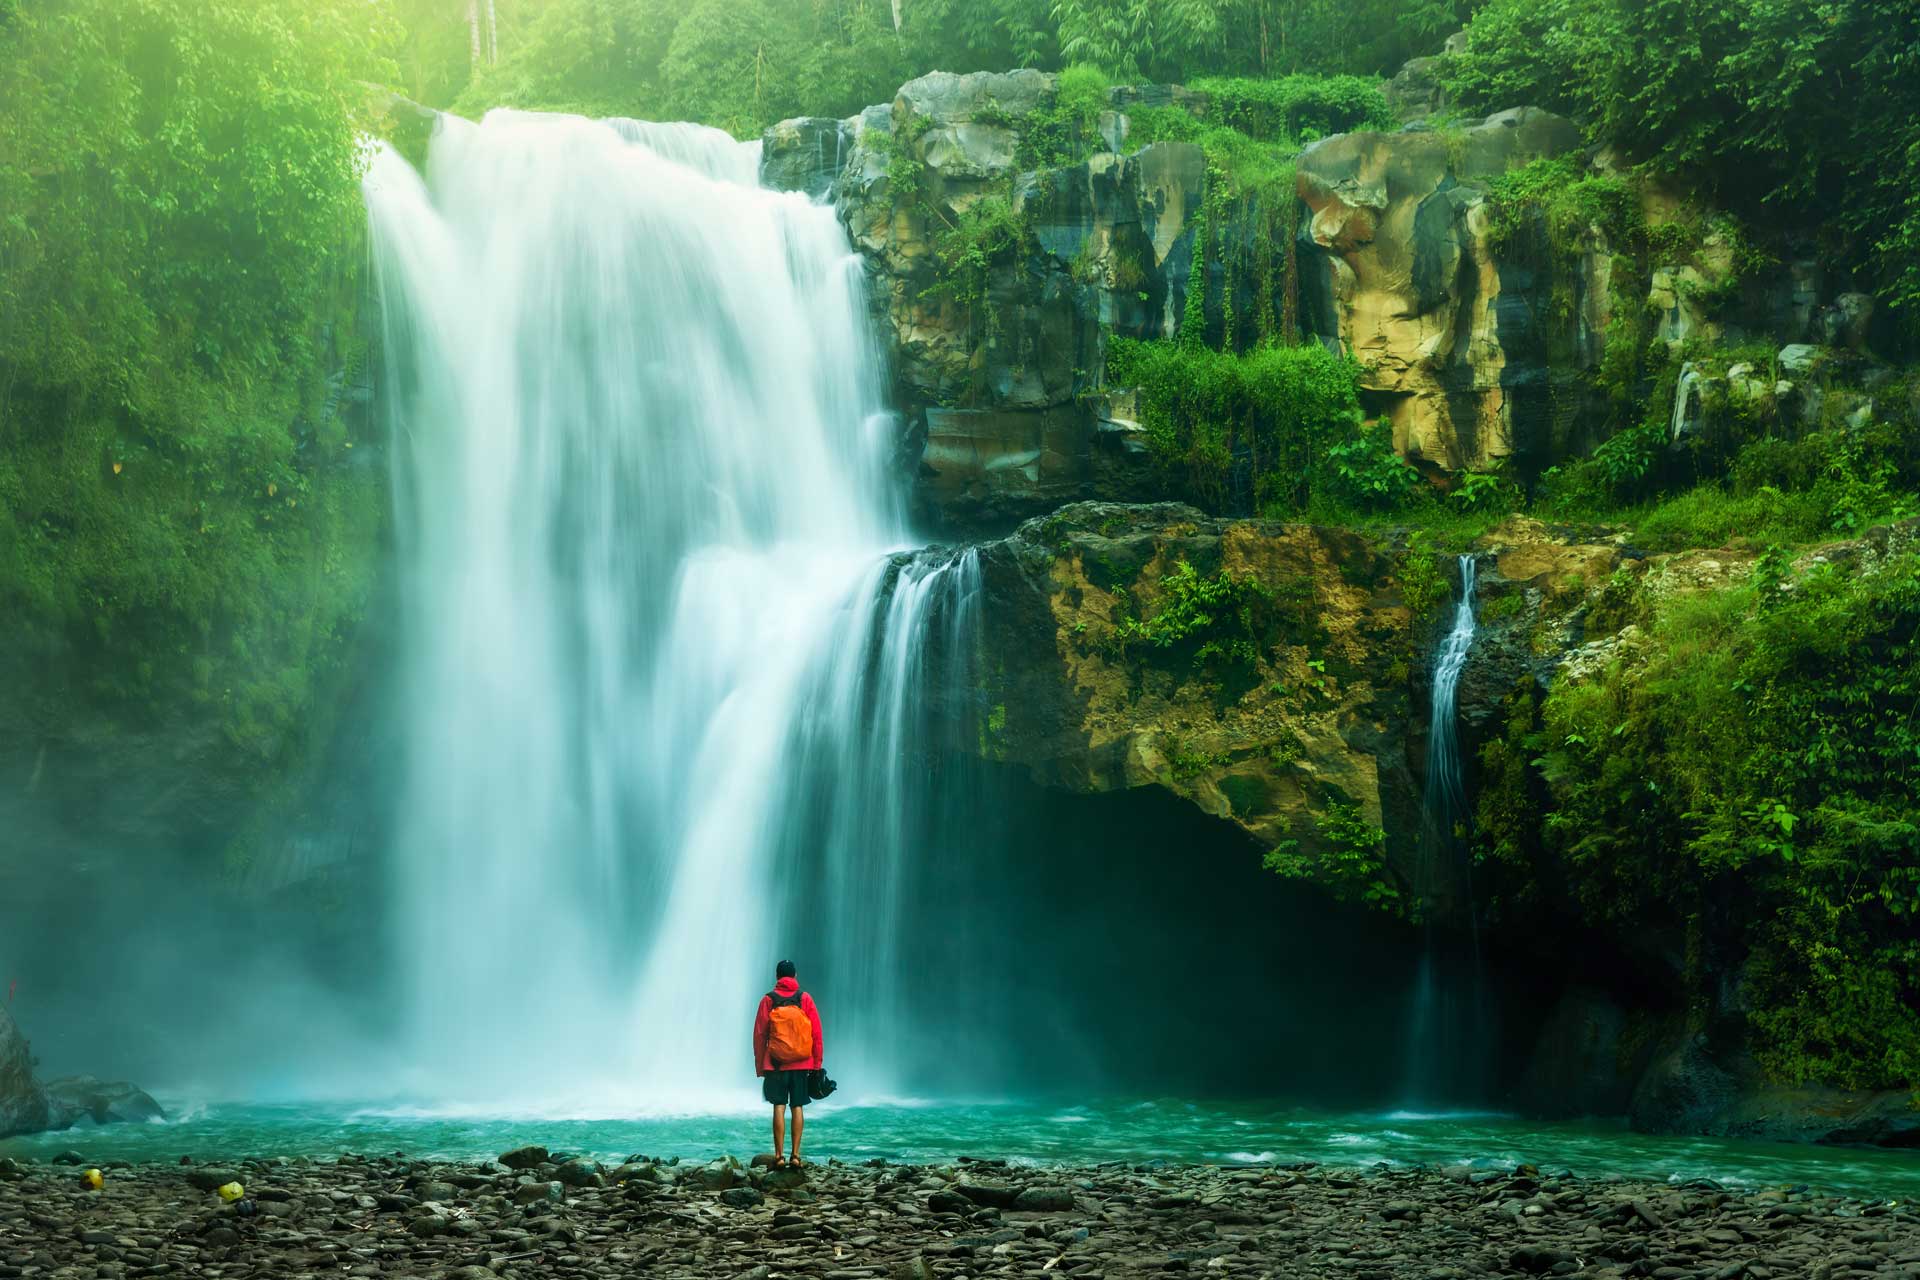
column 1763, row 752
column 1241, row 431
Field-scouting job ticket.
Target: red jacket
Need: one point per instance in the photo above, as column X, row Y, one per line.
column 761, row 1064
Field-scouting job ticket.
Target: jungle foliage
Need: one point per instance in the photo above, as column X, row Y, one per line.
column 1243, row 431
column 1746, row 777
column 1783, row 109
column 179, row 259
column 743, row 64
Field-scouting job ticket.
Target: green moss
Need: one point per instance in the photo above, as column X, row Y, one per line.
column 1503, row 608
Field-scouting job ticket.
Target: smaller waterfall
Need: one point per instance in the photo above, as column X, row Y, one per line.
column 1447, row 1028
column 1446, row 791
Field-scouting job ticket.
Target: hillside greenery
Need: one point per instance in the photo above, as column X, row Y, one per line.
column 1791, row 111
column 1742, row 776
column 180, row 517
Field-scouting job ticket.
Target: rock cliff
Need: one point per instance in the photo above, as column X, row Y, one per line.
column 1482, row 330
column 23, row 1103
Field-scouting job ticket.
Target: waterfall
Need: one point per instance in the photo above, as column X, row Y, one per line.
column 1445, row 796
column 665, row 645
column 1446, row 1031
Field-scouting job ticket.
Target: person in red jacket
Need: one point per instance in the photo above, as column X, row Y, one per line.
column 788, row 1048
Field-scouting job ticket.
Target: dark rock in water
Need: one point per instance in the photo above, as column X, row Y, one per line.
column 525, row 1158
column 23, row 1104
column 74, row 1098
column 70, row 1158
column 742, row 1197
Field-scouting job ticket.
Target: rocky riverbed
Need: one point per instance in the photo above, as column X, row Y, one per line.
column 539, row 1213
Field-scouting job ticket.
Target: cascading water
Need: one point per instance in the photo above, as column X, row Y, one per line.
column 665, row 653
column 1445, row 1031
column 1445, row 790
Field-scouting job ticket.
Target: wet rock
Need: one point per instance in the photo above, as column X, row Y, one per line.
column 539, row 1193
column 581, row 1173
column 716, row 1175
column 997, row 1195
column 742, row 1197
column 805, row 154
column 526, row 1157
column 82, row 1097
column 1044, row 1200
column 23, row 1104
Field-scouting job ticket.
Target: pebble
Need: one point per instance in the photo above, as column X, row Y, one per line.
column 521, row 1218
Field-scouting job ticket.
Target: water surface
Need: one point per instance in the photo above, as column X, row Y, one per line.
column 1173, row 1130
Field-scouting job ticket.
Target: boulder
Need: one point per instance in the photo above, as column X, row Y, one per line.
column 1416, row 92
column 1700, row 1085
column 1801, row 360
column 581, row 1173
column 1846, row 321
column 23, row 1104
column 1044, row 1200
column 526, row 1157
column 76, row 1098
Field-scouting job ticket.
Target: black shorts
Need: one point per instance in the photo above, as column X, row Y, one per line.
column 785, row 1088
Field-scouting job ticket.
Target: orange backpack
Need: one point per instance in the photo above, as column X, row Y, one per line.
column 789, row 1031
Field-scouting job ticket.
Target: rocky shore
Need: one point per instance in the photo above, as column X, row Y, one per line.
column 536, row 1213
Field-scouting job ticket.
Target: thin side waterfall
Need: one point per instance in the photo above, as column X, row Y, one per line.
column 1445, row 795
column 666, row 648
column 1445, row 1025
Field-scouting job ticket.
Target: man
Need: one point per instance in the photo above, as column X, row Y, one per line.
column 787, row 1049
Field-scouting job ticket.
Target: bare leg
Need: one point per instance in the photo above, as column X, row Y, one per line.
column 799, row 1124
column 780, row 1131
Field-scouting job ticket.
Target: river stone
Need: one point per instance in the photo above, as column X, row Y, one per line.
column 581, row 1173
column 539, row 1193
column 949, row 1202
column 525, row 1157
column 742, row 1197
column 716, row 1175
column 997, row 1195
column 211, row 1177
column 1044, row 1200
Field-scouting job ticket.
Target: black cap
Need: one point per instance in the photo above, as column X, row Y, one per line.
column 784, row 969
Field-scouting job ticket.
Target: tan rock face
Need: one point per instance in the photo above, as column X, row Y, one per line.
column 1331, row 708
column 1319, row 718
column 1447, row 332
